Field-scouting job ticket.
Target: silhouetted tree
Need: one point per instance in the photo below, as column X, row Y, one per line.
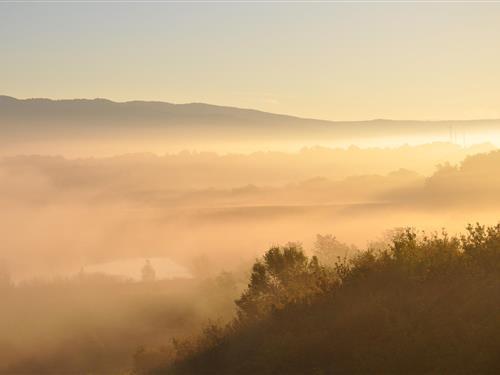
column 282, row 276
column 148, row 272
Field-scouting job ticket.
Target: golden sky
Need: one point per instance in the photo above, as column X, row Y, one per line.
column 333, row 61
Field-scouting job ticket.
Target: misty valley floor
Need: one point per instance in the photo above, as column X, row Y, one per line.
column 76, row 232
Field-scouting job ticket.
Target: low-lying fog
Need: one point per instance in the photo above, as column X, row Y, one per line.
column 62, row 214
column 77, row 234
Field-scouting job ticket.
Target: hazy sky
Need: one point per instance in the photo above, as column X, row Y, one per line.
column 332, row 61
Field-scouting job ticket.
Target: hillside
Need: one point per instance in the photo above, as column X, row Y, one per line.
column 419, row 304
column 45, row 119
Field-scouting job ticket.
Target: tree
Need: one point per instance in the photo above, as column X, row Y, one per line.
column 148, row 272
column 284, row 275
column 328, row 249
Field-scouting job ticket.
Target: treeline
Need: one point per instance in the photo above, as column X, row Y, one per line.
column 420, row 304
column 203, row 170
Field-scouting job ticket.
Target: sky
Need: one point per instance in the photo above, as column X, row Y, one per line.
column 333, row 61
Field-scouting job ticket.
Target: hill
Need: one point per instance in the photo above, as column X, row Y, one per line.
column 421, row 304
column 83, row 119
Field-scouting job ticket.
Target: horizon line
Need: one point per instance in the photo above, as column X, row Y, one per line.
column 240, row 108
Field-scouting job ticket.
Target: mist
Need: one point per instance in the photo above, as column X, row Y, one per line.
column 78, row 232
column 233, row 188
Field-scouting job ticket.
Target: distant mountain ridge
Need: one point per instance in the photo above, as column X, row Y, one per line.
column 11, row 105
column 45, row 120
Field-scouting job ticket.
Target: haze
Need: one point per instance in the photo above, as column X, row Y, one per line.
column 160, row 161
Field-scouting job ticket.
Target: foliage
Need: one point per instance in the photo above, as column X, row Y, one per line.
column 284, row 275
column 424, row 304
column 327, row 248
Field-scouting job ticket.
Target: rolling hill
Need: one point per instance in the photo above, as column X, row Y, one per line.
column 46, row 120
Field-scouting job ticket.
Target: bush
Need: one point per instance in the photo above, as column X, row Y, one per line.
column 423, row 304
